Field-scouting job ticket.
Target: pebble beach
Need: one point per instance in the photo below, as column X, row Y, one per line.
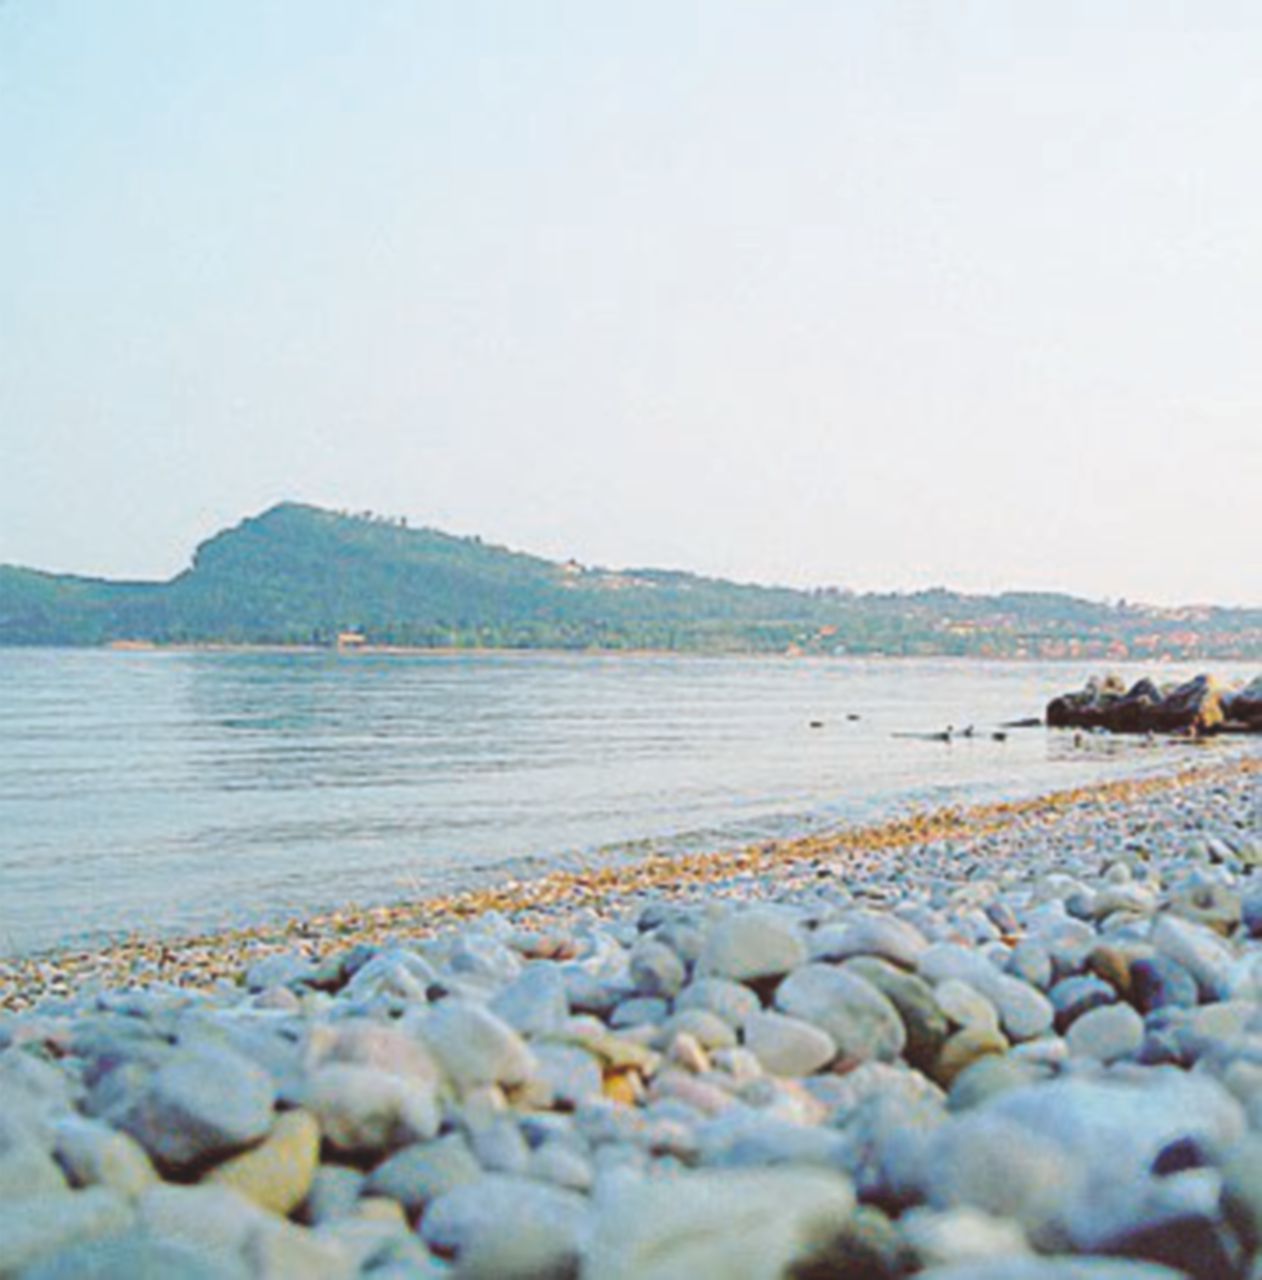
column 1015, row 1040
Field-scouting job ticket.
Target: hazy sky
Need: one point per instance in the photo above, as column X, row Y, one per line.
column 881, row 294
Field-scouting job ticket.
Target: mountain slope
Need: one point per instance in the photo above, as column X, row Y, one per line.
column 299, row 574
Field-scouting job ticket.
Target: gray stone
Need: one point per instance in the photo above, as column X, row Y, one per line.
column 788, row 1046
column 93, row 1154
column 751, row 944
column 1199, row 950
column 37, row 1226
column 861, row 1021
column 365, row 1111
column 424, row 1171
column 571, row 1073
column 505, row 1228
column 26, row 1169
column 868, row 933
column 1072, row 997
column 475, row 1047
column 1051, row 1268
column 923, row 1018
column 135, row 1256
column 747, row 1225
column 656, row 970
column 334, row 1192
column 730, row 1000
column 535, row 1003
column 1107, row 1033
column 200, row 1106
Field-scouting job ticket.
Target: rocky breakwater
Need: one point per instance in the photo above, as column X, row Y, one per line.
column 1197, row 707
column 1030, row 1052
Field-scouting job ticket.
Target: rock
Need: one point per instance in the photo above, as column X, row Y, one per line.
column 1242, row 1189
column 788, row 1046
column 277, row 1174
column 1072, row 997
column 963, row 1049
column 963, row 1234
column 730, row 1000
column 1157, row 982
column 199, row 1107
column 37, row 1226
column 1030, row 962
column 280, row 970
column 869, row 933
column 95, row 1155
column 570, row 1072
column 535, row 1003
column 750, row 945
column 1051, row 1268
column 26, row 1169
column 1206, row 902
column 1199, row 950
column 133, row 1256
column 706, row 1028
column 993, row 1163
column 869, row 1247
column 505, row 1228
column 742, row 1225
column 656, row 970
column 365, row 1111
column 1107, row 1033
column 988, row 1076
column 642, row 1011
column 363, row 1043
column 475, row 1047
column 924, row 1020
column 334, row 1193
column 861, row 1021
column 965, row 1006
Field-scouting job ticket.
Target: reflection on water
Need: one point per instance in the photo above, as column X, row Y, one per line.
column 167, row 791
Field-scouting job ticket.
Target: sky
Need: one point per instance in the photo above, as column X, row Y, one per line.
column 881, row 295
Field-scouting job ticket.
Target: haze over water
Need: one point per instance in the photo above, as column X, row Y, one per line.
column 167, row 792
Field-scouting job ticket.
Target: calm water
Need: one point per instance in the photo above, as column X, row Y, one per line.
column 170, row 791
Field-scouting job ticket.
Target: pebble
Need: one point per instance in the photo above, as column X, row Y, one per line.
column 699, row 1079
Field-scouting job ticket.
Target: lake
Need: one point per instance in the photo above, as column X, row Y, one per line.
column 172, row 791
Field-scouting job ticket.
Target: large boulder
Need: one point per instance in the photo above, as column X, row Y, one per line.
column 1196, row 707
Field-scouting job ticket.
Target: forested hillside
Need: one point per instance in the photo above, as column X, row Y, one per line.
column 301, row 575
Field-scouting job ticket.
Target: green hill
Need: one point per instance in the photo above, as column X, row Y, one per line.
column 301, row 575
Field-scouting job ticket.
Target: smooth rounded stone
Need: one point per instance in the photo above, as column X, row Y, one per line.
column 788, row 1046
column 731, row 1001
column 1251, row 909
column 199, row 1107
column 1002, row 916
column 1024, row 1011
column 475, row 1047
column 481, row 956
column 381, row 1248
column 1133, row 898
column 570, row 1072
column 279, row 971
column 424, row 1171
column 743, row 1224
column 363, row 1043
column 748, row 945
column 706, row 1028
column 1242, row 1189
column 502, row 1228
column 964, row 1048
column 862, row 1022
column 277, row 1174
column 887, row 1140
column 924, row 1021
column 93, row 1154
column 1111, row 964
column 562, row 1165
column 963, row 1234
column 741, row 1139
column 1031, row 962
column 396, row 976
column 965, row 1006
column 1072, row 997
column 655, row 969
column 1158, row 982
column 26, row 1169
column 219, row 1222
column 499, row 1146
column 1051, row 1268
column 989, row 1076
column 534, row 1003
column 740, row 1064
column 1107, row 1033
column 1199, row 950
column 365, row 1111
column 869, row 1247
column 993, row 1163
column 335, row 1189
column 133, row 1256
column 640, row 1011
column 869, row 933
column 36, row 1226
column 1206, row 902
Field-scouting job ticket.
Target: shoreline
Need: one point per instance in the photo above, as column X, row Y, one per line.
column 199, row 960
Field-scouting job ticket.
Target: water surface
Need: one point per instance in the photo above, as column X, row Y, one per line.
column 169, row 791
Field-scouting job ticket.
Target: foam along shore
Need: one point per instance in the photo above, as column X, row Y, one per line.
column 1017, row 1040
